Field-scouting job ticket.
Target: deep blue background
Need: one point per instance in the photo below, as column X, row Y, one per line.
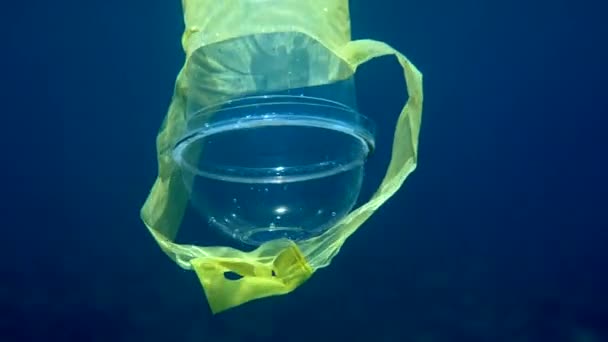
column 499, row 235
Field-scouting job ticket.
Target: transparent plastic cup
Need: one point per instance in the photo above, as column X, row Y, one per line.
column 261, row 168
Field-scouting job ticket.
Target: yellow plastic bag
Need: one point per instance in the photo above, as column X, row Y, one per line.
column 219, row 40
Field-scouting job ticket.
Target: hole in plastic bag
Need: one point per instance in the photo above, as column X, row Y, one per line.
column 232, row 275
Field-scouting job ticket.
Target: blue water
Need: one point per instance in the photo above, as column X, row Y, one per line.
column 499, row 235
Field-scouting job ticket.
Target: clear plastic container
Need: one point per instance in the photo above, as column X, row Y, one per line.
column 277, row 166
